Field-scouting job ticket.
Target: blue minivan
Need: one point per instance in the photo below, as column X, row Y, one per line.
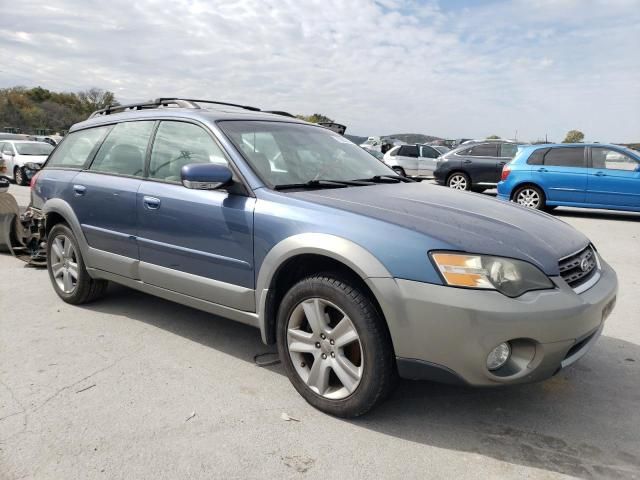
column 574, row 175
column 358, row 275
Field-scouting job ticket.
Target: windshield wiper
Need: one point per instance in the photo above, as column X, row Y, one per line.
column 386, row 179
column 322, row 184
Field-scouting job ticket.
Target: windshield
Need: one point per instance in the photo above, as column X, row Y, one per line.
column 35, row 148
column 290, row 153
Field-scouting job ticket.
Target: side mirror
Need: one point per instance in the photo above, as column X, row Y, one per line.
column 206, row 176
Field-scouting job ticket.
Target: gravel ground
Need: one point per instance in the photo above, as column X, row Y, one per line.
column 135, row 387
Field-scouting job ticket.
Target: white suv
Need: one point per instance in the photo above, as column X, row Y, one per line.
column 414, row 160
column 14, row 154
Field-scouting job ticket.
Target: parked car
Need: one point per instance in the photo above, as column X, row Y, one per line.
column 413, row 160
column 16, row 154
column 356, row 274
column 474, row 167
column 576, row 175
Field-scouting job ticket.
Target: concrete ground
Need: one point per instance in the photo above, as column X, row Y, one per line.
column 135, row 387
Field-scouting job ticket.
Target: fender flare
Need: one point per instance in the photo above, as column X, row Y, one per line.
column 354, row 256
column 62, row 208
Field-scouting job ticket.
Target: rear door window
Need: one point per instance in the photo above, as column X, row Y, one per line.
column 124, row 150
column 484, row 150
column 565, row 157
column 612, row 160
column 508, row 150
column 177, row 144
column 78, row 147
column 408, row 151
column 428, row 152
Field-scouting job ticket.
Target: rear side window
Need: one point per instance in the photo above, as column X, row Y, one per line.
column 177, row 144
column 565, row 157
column 408, row 151
column 537, row 157
column 394, row 151
column 78, row 147
column 484, row 150
column 123, row 152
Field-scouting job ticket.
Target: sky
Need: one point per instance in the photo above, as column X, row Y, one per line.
column 447, row 68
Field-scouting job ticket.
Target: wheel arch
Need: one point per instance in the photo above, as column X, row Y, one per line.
column 58, row 211
column 526, row 183
column 301, row 255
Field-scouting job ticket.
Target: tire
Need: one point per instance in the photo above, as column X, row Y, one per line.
column 399, row 171
column 365, row 352
column 19, row 176
column 459, row 181
column 530, row 196
column 67, row 270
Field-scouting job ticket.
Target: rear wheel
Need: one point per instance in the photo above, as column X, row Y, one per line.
column 334, row 346
column 19, row 176
column 530, row 196
column 67, row 271
column 459, row 181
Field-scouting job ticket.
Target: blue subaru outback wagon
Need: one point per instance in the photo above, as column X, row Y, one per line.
column 358, row 275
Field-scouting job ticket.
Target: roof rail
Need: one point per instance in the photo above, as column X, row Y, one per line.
column 165, row 102
column 193, row 100
column 279, row 112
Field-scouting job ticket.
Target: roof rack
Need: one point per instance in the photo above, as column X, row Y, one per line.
column 165, row 102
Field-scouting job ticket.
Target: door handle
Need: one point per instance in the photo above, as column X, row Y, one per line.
column 468, row 161
column 79, row 190
column 600, row 174
column 152, row 203
column 543, row 170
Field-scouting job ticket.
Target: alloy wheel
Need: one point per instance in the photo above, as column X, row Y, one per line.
column 325, row 348
column 64, row 264
column 528, row 197
column 458, row 182
column 18, row 176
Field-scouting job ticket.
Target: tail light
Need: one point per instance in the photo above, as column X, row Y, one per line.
column 32, row 185
column 506, row 170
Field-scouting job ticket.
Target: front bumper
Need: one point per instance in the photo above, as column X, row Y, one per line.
column 445, row 334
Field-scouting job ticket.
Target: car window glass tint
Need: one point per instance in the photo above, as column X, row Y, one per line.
column 537, row 157
column 78, row 147
column 177, row 144
column 408, row 151
column 612, row 160
column 565, row 157
column 485, row 150
column 508, row 150
column 124, row 149
column 429, row 152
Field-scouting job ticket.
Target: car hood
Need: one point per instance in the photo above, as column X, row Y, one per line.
column 33, row 158
column 464, row 221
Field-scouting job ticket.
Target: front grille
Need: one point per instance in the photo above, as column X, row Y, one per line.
column 579, row 268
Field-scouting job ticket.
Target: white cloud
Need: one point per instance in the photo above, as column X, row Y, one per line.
column 541, row 66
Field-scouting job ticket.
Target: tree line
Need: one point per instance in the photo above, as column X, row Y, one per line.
column 41, row 111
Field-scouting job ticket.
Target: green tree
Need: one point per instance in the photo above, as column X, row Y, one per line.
column 573, row 136
column 493, row 137
column 315, row 118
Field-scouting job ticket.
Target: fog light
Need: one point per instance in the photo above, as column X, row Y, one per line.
column 498, row 356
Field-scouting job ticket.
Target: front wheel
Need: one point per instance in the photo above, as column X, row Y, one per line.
column 19, row 176
column 335, row 346
column 399, row 171
column 530, row 196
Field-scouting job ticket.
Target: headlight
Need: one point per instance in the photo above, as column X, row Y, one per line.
column 508, row 276
column 33, row 165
